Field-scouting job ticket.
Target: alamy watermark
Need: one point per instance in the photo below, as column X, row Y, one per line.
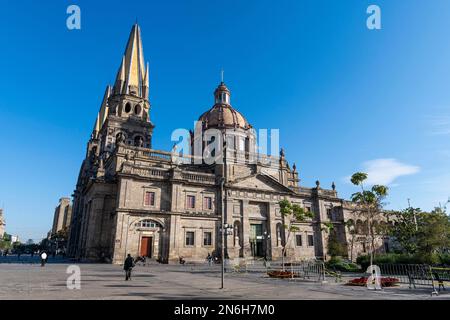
column 374, row 20
column 74, row 279
column 213, row 146
column 73, row 21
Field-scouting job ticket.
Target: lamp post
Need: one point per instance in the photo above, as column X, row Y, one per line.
column 267, row 239
column 225, row 229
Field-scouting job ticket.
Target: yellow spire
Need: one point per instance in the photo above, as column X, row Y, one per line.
column 104, row 107
column 120, row 79
column 96, row 127
column 146, row 83
column 134, row 63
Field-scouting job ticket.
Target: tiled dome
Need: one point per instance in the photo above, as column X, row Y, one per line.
column 222, row 114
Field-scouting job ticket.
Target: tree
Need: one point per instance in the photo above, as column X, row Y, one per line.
column 351, row 227
column 292, row 214
column 406, row 228
column 5, row 242
column 335, row 247
column 370, row 206
column 433, row 233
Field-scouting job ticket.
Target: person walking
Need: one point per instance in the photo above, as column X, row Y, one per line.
column 128, row 266
column 43, row 258
column 209, row 259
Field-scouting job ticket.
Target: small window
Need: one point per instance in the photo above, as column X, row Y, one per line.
column 207, row 238
column 190, row 202
column 329, row 214
column 298, row 240
column 128, row 107
column 208, row 203
column 310, row 240
column 137, row 109
column 149, row 199
column 190, row 237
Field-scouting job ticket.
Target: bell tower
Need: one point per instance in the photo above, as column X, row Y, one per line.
column 125, row 112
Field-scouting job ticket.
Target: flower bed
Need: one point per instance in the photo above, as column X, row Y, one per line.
column 385, row 282
column 282, row 274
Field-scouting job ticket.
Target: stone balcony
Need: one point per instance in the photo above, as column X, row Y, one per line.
column 175, row 158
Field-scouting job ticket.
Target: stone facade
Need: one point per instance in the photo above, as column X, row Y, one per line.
column 63, row 215
column 130, row 198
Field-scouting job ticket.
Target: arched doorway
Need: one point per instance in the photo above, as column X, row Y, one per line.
column 150, row 239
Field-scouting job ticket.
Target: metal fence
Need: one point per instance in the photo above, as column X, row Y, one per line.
column 412, row 274
column 306, row 270
column 418, row 275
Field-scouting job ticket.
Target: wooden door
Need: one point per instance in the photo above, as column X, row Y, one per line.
column 146, row 247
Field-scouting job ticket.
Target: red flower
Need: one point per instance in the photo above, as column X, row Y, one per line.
column 385, row 282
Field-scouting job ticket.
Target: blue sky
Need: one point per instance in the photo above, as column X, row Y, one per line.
column 345, row 98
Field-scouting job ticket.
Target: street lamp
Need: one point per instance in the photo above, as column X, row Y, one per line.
column 225, row 229
column 267, row 239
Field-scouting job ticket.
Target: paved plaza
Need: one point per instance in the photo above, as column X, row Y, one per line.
column 103, row 281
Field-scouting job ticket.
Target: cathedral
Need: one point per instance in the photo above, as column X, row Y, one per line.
column 133, row 199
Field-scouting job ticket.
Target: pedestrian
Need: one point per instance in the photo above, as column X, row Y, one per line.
column 209, row 259
column 43, row 258
column 128, row 266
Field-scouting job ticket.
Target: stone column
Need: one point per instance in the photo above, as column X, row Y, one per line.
column 246, row 230
column 120, row 238
column 232, row 252
column 175, row 234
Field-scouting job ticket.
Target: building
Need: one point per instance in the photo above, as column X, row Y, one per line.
column 62, row 216
column 2, row 224
column 130, row 198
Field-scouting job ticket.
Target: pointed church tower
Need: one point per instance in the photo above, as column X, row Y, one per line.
column 125, row 111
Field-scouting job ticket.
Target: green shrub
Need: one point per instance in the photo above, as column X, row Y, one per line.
column 396, row 258
column 339, row 264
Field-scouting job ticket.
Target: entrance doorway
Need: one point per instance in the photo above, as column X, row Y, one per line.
column 147, row 247
column 256, row 240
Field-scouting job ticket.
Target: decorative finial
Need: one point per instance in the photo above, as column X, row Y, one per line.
column 294, row 167
column 282, row 153
column 333, row 186
column 221, row 75
column 317, row 184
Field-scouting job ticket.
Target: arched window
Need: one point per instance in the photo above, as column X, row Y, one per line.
column 351, row 226
column 375, row 227
column 365, row 227
column 138, row 141
column 120, row 137
column 148, row 224
column 128, row 107
column 359, row 227
column 280, row 235
column 137, row 109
